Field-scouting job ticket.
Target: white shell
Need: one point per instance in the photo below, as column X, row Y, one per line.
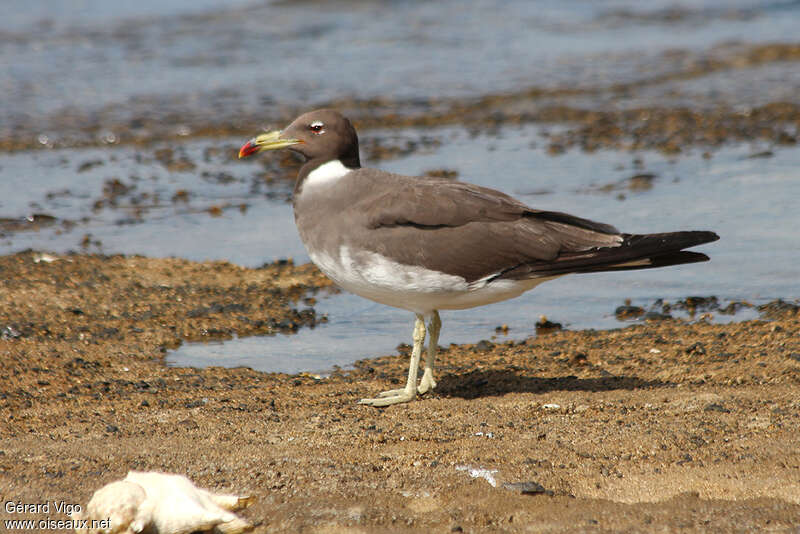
column 161, row 503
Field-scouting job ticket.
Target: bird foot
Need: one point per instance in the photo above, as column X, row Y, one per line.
column 387, row 398
column 427, row 383
column 391, row 393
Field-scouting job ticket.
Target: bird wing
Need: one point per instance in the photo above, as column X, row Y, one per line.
column 472, row 231
column 436, row 203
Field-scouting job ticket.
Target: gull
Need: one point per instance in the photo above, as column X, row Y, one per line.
column 426, row 244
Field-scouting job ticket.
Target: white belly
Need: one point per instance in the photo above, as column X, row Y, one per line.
column 376, row 277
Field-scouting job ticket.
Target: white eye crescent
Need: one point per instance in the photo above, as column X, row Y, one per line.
column 317, row 127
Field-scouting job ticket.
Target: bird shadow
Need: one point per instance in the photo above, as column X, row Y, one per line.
column 489, row 383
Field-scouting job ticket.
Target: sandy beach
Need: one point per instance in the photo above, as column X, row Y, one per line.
column 663, row 426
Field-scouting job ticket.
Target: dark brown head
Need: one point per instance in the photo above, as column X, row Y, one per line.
column 320, row 136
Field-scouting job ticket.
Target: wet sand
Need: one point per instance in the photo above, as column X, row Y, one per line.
column 663, row 426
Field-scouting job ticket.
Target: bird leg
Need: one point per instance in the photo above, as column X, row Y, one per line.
column 396, row 396
column 427, row 382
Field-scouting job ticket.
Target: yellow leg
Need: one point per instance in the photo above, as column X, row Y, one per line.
column 397, row 396
column 428, row 383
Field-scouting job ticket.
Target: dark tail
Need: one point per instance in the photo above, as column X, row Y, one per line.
column 646, row 251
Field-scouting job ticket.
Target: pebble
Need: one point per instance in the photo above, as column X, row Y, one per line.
column 628, row 312
column 484, row 345
column 696, row 348
column 9, row 332
column 545, row 326
column 527, row 488
column 44, row 257
column 716, row 407
column 655, row 316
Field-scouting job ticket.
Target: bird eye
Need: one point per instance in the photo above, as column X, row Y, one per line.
column 316, row 127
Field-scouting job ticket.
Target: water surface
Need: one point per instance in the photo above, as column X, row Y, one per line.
column 109, row 66
column 64, row 63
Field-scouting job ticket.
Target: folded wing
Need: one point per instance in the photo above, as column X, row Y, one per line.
column 481, row 234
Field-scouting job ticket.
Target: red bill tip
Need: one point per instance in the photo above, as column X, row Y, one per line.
column 248, row 149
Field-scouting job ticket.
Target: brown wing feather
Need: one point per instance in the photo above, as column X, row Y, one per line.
column 476, row 233
column 468, row 230
column 435, row 203
column 428, row 202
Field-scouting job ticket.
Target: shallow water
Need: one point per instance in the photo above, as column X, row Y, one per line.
column 250, row 228
column 749, row 201
column 214, row 59
column 102, row 63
